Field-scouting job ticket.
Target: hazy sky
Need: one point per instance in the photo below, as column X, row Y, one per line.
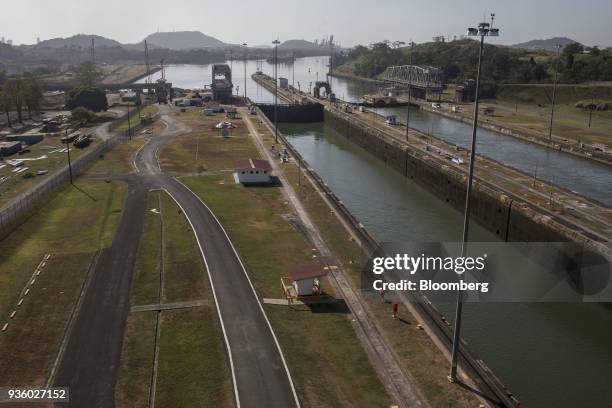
column 352, row 22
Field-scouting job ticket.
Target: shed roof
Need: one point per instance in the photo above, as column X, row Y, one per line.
column 307, row 272
column 252, row 164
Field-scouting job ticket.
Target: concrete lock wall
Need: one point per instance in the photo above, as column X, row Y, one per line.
column 303, row 113
column 508, row 217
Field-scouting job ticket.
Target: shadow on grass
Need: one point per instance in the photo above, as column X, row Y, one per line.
column 92, row 198
column 337, row 306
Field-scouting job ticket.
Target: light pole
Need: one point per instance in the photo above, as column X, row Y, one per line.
column 245, row 70
column 554, row 95
column 483, row 30
column 275, row 42
column 409, row 90
column 331, row 66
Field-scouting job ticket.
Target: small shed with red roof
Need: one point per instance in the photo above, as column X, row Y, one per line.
column 306, row 279
column 253, row 171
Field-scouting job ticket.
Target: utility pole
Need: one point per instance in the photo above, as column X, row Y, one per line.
column 68, row 153
column 331, row 65
column 275, row 42
column 483, row 30
column 552, row 109
column 293, row 71
column 409, row 90
column 147, row 61
column 93, row 51
column 245, row 70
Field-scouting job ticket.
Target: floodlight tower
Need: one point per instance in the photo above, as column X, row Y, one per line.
column 554, row 95
column 484, row 30
column 245, row 70
column 275, row 42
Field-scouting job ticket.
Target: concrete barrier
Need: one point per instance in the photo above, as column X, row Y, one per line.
column 296, row 113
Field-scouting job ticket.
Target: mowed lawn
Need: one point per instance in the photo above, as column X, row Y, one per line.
column 204, row 149
column 193, row 367
column 327, row 362
column 77, row 222
column 119, row 159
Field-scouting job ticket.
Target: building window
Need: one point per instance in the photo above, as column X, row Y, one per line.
column 257, row 172
column 265, row 171
column 251, row 171
column 243, row 172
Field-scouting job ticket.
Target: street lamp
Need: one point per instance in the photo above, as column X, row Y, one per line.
column 275, row 42
column 483, row 30
column 245, row 70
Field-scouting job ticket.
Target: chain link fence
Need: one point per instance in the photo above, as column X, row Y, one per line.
column 25, row 205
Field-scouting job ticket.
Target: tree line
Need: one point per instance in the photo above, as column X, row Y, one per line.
column 501, row 64
column 19, row 93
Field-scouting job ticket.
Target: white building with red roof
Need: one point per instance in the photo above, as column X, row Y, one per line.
column 253, row 171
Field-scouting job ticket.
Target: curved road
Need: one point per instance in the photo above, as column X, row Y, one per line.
column 89, row 365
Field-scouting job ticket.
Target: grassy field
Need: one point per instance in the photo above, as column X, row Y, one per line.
column 192, row 362
column 213, row 151
column 17, row 183
column 569, row 122
column 146, row 111
column 327, row 362
column 414, row 347
column 134, row 377
column 119, row 159
column 76, row 223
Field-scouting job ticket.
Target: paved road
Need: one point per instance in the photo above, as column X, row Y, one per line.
column 261, row 377
column 91, row 358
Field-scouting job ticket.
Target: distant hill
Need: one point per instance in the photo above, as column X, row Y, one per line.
column 78, row 41
column 301, row 45
column 8, row 52
column 549, row 45
column 182, row 40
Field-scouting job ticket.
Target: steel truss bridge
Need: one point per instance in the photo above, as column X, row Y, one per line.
column 423, row 77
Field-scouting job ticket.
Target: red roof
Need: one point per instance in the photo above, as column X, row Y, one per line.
column 252, row 164
column 307, row 272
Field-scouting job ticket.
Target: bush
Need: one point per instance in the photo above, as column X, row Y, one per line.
column 82, row 115
column 90, row 98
